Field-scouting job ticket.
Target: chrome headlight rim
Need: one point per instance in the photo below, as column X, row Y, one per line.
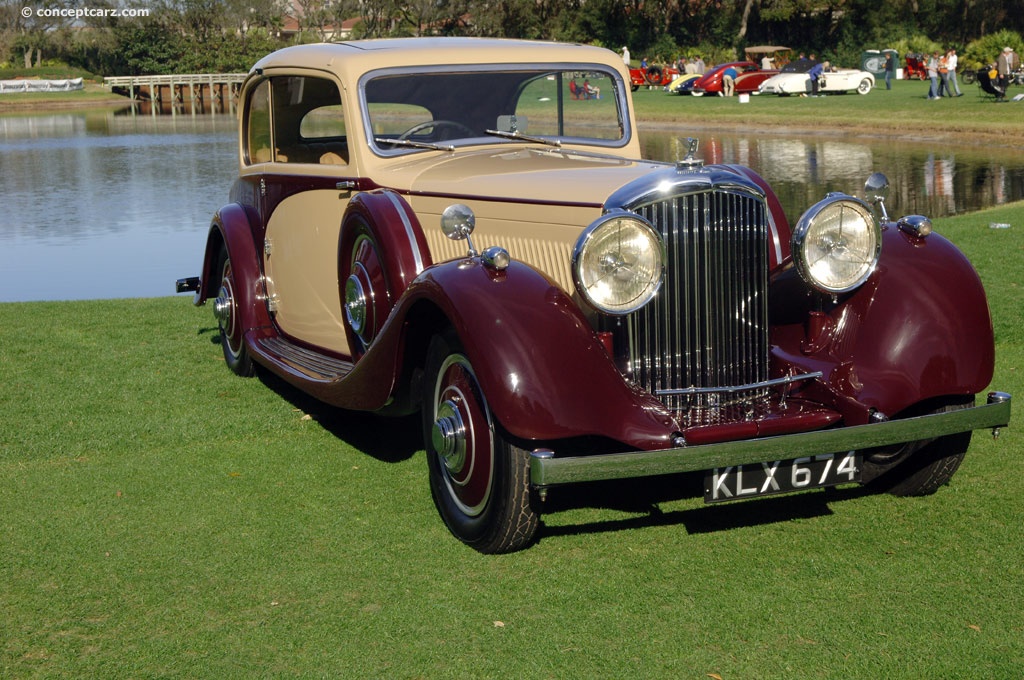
column 813, row 219
column 653, row 245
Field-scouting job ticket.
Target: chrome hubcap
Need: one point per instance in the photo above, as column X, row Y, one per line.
column 355, row 305
column 448, row 436
column 222, row 306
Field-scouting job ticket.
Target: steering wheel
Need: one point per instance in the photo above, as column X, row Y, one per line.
column 453, row 125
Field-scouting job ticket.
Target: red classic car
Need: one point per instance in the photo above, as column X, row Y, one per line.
column 438, row 226
column 652, row 76
column 748, row 77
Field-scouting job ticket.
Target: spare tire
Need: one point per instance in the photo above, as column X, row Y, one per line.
column 653, row 75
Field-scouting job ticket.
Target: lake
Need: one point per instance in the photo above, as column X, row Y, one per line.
column 100, row 205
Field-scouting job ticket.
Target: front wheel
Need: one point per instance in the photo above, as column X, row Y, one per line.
column 969, row 77
column 478, row 479
column 864, row 87
column 920, row 468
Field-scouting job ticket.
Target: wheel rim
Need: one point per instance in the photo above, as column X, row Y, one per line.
column 462, row 436
column 366, row 294
column 224, row 310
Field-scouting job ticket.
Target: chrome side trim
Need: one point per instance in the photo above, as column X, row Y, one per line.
column 413, row 247
column 546, row 471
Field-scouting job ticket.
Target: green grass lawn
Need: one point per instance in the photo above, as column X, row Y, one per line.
column 160, row 517
column 905, row 110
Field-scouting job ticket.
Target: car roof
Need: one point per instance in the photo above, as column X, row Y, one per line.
column 352, row 59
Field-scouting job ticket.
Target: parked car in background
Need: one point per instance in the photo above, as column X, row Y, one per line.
column 793, row 79
column 748, row 77
column 437, row 226
column 652, row 76
column 683, row 83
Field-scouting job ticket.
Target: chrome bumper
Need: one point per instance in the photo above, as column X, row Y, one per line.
column 547, row 471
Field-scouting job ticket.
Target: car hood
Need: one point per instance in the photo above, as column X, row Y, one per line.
column 519, row 174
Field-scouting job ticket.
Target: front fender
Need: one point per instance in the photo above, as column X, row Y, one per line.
column 919, row 328
column 543, row 369
column 230, row 228
column 927, row 331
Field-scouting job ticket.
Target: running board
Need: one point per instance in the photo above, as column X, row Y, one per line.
column 295, row 358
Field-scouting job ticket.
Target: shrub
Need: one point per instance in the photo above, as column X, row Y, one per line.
column 984, row 51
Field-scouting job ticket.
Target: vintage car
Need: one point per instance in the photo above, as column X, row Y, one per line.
column 748, row 77
column 435, row 225
column 682, row 83
column 652, row 76
column 793, row 79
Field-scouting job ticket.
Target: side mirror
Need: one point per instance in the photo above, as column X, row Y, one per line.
column 876, row 191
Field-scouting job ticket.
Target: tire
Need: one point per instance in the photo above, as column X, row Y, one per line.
column 920, row 468
column 864, row 87
column 225, row 310
column 969, row 76
column 479, row 481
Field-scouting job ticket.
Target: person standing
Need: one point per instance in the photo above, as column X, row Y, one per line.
column 728, row 81
column 933, row 76
column 815, row 74
column 625, row 55
column 890, row 69
column 1006, row 64
column 951, row 63
column 944, row 87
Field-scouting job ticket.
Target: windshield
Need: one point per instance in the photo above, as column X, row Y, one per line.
column 442, row 109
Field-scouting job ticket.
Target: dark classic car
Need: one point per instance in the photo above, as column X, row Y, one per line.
column 439, row 226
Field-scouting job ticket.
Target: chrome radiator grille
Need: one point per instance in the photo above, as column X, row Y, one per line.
column 706, row 333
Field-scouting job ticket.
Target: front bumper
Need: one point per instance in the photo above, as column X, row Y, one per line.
column 547, row 471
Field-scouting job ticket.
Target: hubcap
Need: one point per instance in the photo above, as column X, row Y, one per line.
column 449, row 436
column 461, row 438
column 222, row 306
column 355, row 305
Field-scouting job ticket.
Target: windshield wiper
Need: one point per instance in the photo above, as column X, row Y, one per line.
column 525, row 138
column 415, row 144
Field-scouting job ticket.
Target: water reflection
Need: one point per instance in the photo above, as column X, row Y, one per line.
column 929, row 179
column 107, row 206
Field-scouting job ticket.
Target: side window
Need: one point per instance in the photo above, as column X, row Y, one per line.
column 309, row 125
column 257, row 126
column 296, row 119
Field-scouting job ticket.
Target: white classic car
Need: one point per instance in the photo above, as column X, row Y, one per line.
column 793, row 79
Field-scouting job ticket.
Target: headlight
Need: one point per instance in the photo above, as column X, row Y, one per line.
column 836, row 244
column 618, row 263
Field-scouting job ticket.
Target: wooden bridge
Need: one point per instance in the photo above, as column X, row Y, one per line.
column 199, row 90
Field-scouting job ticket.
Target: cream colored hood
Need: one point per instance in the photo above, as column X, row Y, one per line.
column 521, row 174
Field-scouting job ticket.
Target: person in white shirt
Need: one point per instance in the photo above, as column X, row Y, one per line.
column 951, row 62
column 625, row 55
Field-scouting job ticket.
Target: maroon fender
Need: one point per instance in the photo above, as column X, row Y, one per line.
column 919, row 328
column 381, row 274
column 390, row 220
column 927, row 331
column 544, row 371
column 231, row 227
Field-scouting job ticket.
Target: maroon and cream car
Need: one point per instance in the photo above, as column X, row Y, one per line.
column 437, row 225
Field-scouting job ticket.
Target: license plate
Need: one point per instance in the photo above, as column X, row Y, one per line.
column 781, row 476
